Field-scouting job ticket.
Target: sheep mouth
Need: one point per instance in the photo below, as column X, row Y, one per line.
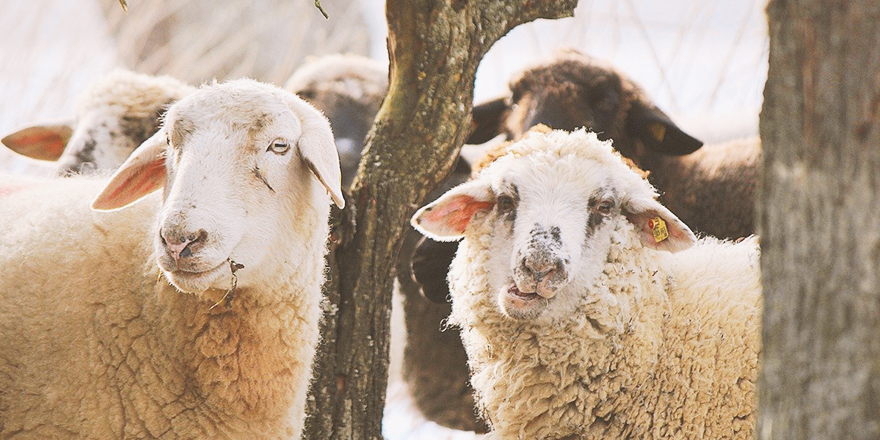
column 521, row 305
column 196, row 281
column 198, row 272
column 513, row 290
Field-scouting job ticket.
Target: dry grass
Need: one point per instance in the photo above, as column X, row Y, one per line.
column 200, row 40
column 52, row 49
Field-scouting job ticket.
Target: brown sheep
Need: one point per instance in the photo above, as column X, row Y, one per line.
column 711, row 189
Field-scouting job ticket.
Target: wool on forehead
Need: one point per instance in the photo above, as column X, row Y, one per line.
column 134, row 94
column 241, row 99
column 558, row 145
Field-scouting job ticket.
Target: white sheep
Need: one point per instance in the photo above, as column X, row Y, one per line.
column 115, row 114
column 190, row 314
column 588, row 310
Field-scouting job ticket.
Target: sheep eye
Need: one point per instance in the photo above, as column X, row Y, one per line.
column 506, row 204
column 279, row 146
column 605, row 207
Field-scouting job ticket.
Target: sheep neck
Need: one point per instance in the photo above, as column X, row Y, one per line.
column 245, row 367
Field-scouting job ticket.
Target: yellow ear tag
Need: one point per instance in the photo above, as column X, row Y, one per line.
column 658, row 227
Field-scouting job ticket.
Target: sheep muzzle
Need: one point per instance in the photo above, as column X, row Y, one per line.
column 541, row 271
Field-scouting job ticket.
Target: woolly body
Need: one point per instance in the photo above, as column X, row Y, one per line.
column 636, row 342
column 714, row 188
column 95, row 343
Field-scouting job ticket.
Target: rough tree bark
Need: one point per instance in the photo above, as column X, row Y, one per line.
column 819, row 222
column 435, row 47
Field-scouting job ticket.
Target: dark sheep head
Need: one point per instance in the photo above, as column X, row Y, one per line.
column 573, row 91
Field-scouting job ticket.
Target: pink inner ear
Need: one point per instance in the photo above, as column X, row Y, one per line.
column 456, row 213
column 678, row 238
column 37, row 143
column 135, row 185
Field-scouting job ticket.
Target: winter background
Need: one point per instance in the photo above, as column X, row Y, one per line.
column 703, row 62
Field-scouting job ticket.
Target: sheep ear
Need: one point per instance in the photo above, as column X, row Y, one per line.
column 141, row 174
column 446, row 218
column 657, row 131
column 318, row 150
column 487, row 120
column 42, row 141
column 658, row 227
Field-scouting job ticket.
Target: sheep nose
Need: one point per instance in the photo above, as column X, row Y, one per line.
column 542, row 274
column 182, row 245
column 539, row 269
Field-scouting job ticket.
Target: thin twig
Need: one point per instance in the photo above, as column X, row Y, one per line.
column 124, row 5
column 317, row 5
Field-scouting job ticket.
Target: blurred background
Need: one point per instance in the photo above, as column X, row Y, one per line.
column 703, row 62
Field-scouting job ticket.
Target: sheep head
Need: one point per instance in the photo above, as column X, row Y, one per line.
column 244, row 167
column 574, row 90
column 114, row 115
column 552, row 205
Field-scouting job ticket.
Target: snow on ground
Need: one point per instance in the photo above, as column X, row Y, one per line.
column 704, row 62
column 402, row 420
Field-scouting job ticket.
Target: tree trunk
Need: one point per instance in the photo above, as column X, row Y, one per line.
column 435, row 47
column 819, row 220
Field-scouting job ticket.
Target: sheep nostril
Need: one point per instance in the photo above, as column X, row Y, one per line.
column 541, row 271
column 541, row 275
column 193, row 240
column 183, row 246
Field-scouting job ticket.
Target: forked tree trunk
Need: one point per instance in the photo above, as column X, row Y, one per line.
column 819, row 218
column 435, row 47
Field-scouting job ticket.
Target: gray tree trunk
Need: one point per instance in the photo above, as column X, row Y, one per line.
column 819, row 220
column 435, row 47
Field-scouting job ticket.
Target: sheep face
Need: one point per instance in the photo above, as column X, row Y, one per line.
column 550, row 210
column 98, row 140
column 568, row 96
column 238, row 162
column 104, row 139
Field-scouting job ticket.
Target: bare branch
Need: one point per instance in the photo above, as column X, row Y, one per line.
column 318, row 5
